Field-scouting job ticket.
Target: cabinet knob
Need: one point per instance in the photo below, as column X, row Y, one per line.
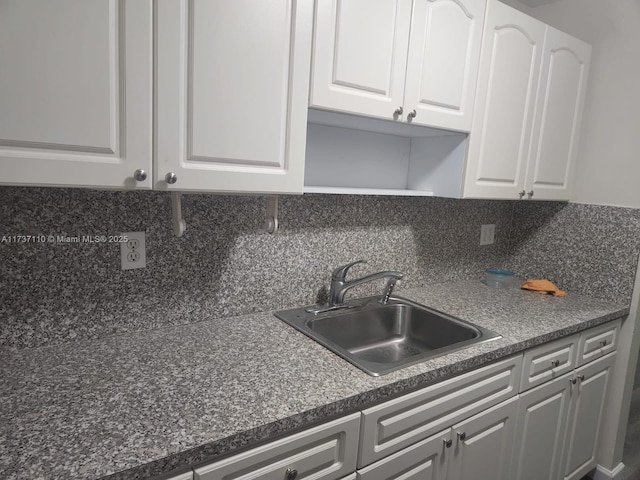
column 462, row 435
column 170, row 178
column 140, row 175
column 447, row 442
column 290, row 474
column 581, row 378
column 530, row 194
column 555, row 363
column 521, row 194
column 399, row 110
column 603, row 343
column 573, row 381
column 412, row 114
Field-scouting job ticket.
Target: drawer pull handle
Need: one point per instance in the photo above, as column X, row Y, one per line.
column 140, row 175
column 555, row 363
column 603, row 343
column 290, row 474
column 447, row 442
column 462, row 435
column 171, row 178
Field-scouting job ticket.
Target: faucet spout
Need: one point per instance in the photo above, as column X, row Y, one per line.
column 340, row 285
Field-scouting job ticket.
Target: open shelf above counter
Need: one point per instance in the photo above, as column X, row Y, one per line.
column 368, row 191
column 354, row 155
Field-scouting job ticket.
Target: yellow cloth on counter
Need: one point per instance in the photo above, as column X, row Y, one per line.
column 543, row 287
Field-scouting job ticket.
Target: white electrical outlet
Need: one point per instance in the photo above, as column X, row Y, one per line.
column 132, row 252
column 487, row 234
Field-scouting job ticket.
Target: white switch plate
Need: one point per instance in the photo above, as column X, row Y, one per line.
column 133, row 252
column 487, row 234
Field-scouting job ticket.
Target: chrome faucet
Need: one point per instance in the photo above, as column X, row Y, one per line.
column 340, row 285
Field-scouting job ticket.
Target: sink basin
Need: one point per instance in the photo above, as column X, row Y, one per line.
column 382, row 338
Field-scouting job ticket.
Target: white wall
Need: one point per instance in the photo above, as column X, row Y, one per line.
column 609, row 156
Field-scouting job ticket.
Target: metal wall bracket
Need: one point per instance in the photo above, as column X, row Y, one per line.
column 271, row 222
column 179, row 225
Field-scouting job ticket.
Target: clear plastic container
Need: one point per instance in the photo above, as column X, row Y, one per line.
column 499, row 278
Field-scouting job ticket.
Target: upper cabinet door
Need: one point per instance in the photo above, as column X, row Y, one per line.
column 442, row 65
column 503, row 117
column 75, row 93
column 232, row 81
column 360, row 56
column 563, row 84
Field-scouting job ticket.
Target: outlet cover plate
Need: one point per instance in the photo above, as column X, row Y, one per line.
column 487, row 234
column 133, row 252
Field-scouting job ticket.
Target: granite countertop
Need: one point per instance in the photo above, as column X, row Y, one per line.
column 150, row 402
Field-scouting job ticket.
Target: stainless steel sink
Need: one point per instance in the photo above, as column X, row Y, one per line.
column 382, row 338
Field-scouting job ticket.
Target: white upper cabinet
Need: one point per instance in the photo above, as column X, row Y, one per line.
column 531, row 90
column 403, row 60
column 213, row 96
column 76, row 93
column 360, row 56
column 232, row 82
column 442, row 65
column 563, row 83
column 503, row 119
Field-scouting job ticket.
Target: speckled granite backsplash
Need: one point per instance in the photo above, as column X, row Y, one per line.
column 224, row 264
column 588, row 249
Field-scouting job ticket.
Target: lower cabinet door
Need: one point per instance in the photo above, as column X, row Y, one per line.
column 483, row 445
column 325, row 452
column 540, row 429
column 585, row 416
column 426, row 460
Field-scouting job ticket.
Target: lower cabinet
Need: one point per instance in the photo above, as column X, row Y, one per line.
column 477, row 448
column 391, row 426
column 559, row 424
column 472, row 426
column 483, row 444
column 585, row 416
column 325, row 452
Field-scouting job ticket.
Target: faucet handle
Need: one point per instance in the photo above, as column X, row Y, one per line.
column 340, row 273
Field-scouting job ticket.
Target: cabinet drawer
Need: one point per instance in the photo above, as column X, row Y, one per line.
column 184, row 476
column 325, row 452
column 548, row 361
column 597, row 342
column 423, row 460
column 393, row 425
